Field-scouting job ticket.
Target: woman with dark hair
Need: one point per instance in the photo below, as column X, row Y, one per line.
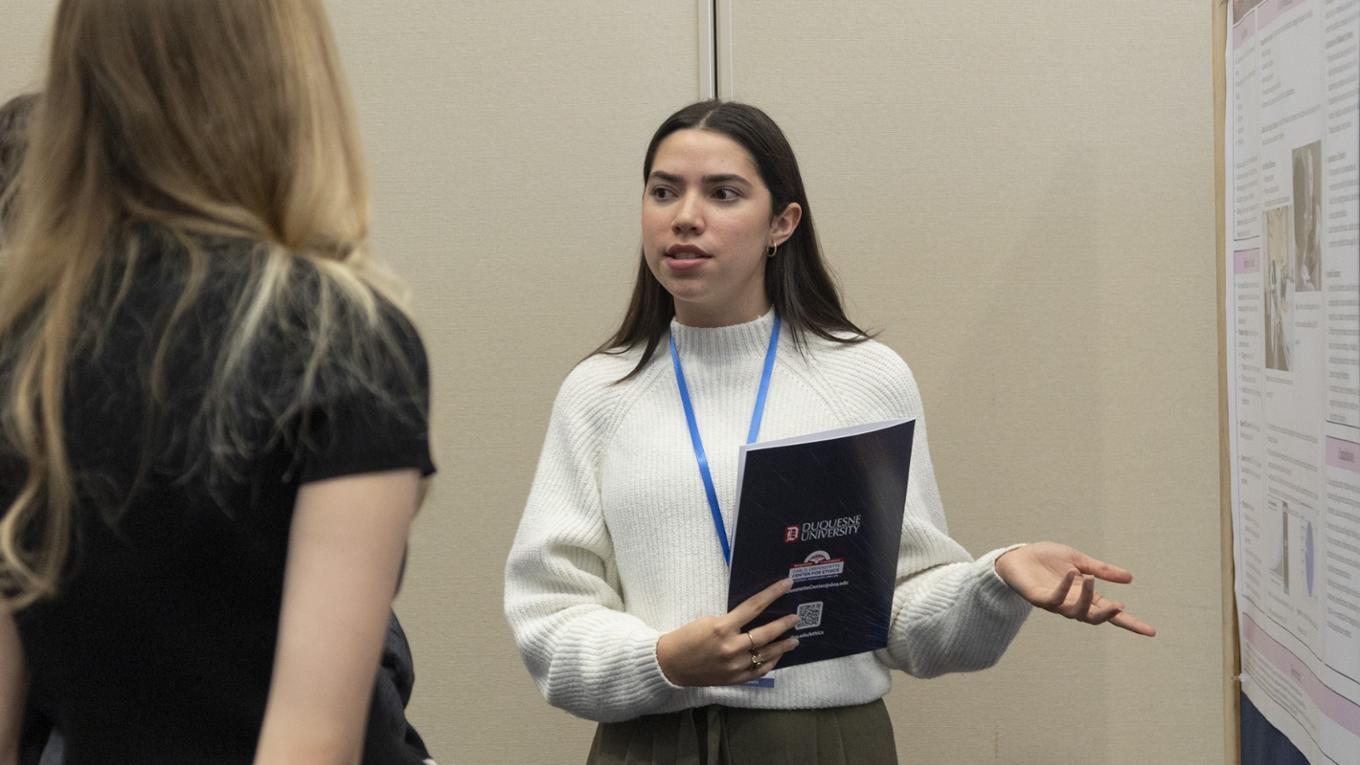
column 616, row 587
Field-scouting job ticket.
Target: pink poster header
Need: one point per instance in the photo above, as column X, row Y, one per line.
column 1268, row 10
column 1247, row 261
column 1343, row 454
column 1334, row 705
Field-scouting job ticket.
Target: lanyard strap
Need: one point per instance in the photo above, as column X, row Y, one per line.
column 698, row 443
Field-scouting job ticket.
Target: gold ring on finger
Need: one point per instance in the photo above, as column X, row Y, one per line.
column 756, row 661
column 753, row 641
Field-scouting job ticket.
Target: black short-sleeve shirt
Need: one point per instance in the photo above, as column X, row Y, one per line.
column 159, row 646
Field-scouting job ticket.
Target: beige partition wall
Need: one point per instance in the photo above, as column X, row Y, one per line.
column 1021, row 196
column 24, row 25
column 504, row 144
column 505, row 141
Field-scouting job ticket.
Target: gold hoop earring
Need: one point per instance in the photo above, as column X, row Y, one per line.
column 770, row 252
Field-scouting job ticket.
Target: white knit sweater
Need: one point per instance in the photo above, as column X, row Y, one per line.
column 617, row 544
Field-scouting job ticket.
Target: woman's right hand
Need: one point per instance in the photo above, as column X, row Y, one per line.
column 714, row 651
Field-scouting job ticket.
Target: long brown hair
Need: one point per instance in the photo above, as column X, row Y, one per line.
column 218, row 119
column 797, row 282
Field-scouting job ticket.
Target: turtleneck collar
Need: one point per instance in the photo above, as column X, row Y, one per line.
column 733, row 340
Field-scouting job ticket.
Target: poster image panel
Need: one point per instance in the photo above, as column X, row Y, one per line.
column 1307, row 213
column 1240, row 8
column 1279, row 289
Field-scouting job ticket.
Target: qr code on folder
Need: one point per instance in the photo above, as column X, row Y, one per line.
column 809, row 615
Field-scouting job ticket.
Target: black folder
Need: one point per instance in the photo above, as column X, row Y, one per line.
column 824, row 509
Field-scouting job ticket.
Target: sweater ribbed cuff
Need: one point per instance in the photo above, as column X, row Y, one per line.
column 643, row 664
column 994, row 591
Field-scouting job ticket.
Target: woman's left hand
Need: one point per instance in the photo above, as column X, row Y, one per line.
column 1047, row 573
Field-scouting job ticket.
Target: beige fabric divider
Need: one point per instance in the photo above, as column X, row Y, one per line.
column 1019, row 194
column 504, row 144
column 505, row 141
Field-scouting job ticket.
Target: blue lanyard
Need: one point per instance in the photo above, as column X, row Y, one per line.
column 699, row 455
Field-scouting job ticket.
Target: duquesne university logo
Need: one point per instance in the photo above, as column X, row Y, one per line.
column 825, row 529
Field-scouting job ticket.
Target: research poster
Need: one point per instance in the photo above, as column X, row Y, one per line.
column 1292, row 212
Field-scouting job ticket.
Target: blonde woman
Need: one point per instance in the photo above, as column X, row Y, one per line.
column 212, row 408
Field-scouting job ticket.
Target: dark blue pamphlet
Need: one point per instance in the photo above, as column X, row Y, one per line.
column 825, row 510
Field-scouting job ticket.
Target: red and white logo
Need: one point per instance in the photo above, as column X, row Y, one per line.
column 817, row 565
column 791, row 534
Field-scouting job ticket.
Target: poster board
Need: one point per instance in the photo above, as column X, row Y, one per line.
column 1290, row 307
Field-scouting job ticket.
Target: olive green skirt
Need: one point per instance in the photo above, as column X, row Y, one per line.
column 717, row 735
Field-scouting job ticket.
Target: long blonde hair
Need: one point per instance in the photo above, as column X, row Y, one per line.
column 200, row 119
